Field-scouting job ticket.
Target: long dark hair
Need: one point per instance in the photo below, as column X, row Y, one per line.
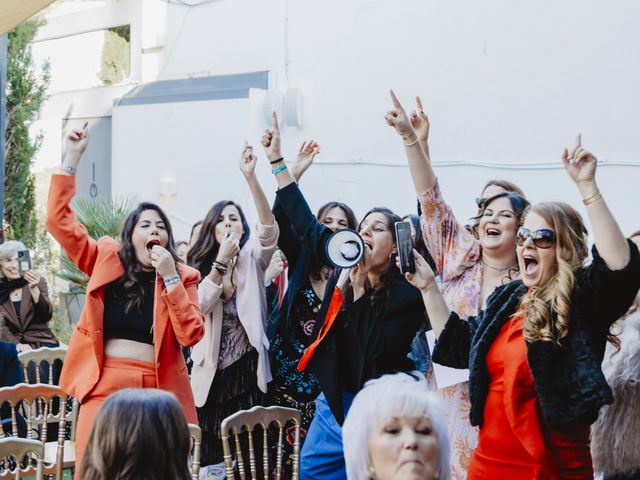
column 391, row 275
column 133, row 279
column 138, row 434
column 205, row 250
column 317, row 265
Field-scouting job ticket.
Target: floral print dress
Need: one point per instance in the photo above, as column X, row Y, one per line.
column 457, row 255
column 290, row 387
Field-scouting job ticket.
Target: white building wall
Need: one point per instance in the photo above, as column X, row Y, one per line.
column 507, row 83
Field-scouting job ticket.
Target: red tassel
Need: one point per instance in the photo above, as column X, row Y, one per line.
column 332, row 314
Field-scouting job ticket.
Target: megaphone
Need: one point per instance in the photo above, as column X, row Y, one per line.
column 345, row 248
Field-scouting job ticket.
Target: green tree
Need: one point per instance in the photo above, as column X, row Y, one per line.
column 25, row 93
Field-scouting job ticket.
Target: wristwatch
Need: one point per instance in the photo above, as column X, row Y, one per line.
column 71, row 170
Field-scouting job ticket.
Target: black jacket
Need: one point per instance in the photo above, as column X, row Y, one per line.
column 568, row 379
column 374, row 341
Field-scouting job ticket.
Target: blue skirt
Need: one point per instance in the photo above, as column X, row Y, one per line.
column 322, row 456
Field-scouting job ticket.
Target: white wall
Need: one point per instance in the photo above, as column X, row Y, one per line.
column 503, row 82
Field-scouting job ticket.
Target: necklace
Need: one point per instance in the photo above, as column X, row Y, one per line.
column 512, row 267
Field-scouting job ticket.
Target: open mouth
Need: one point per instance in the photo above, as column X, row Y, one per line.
column 530, row 264
column 151, row 243
column 492, row 232
column 368, row 244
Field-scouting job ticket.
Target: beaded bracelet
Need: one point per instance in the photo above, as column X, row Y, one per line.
column 171, row 280
column 282, row 168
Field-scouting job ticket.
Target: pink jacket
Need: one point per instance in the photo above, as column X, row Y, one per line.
column 253, row 259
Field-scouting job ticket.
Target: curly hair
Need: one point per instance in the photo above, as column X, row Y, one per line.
column 133, row 279
column 138, row 434
column 546, row 308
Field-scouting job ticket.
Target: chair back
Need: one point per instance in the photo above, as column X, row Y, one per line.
column 196, row 439
column 34, row 362
column 248, row 420
column 21, row 457
column 40, row 356
column 35, row 403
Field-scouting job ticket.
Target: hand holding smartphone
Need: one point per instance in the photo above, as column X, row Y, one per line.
column 24, row 262
column 404, row 245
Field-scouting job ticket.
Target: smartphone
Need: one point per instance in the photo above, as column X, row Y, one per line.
column 405, row 247
column 24, row 261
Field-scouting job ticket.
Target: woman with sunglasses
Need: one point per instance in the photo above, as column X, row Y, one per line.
column 364, row 336
column 535, row 351
column 471, row 263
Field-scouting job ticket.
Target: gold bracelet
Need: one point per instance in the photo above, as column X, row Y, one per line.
column 412, row 143
column 593, row 198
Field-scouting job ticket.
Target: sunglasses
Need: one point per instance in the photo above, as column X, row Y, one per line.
column 542, row 238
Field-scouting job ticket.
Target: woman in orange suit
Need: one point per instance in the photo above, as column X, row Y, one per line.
column 141, row 304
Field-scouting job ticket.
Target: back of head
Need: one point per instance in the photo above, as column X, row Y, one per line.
column 505, row 185
column 138, row 434
column 392, row 395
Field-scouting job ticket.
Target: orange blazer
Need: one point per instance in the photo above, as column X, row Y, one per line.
column 177, row 318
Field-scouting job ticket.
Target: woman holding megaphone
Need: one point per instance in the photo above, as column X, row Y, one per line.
column 364, row 329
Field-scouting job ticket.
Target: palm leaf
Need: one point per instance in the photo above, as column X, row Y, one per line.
column 101, row 217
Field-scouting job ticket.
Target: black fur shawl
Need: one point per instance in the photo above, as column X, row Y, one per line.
column 568, row 379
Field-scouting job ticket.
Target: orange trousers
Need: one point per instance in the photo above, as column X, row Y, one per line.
column 117, row 374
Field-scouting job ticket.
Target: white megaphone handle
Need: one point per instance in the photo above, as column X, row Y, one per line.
column 342, row 279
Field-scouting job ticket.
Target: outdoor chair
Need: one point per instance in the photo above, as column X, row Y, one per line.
column 33, row 363
column 20, row 458
column 35, row 404
column 247, row 420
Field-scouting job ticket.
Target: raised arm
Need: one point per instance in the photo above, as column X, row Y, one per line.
column 419, row 164
column 248, row 168
column 609, row 239
column 289, row 197
column 61, row 220
column 425, row 281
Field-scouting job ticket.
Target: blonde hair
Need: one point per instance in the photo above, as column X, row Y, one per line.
column 546, row 308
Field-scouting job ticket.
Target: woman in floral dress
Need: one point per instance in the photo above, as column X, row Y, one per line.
column 471, row 262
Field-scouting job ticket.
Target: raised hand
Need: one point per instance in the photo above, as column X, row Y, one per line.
column 306, row 154
column 32, row 277
column 359, row 273
column 163, row 262
column 76, row 142
column 271, row 140
column 229, row 248
column 580, row 164
column 420, row 122
column 248, row 161
column 276, row 266
column 423, row 278
column 398, row 119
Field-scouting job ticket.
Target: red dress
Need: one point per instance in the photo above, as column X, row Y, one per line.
column 513, row 444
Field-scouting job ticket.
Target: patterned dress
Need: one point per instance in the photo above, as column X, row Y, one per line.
column 457, row 255
column 290, row 387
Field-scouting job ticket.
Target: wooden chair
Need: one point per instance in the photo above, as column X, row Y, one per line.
column 48, row 356
column 35, row 402
column 248, row 420
column 16, row 451
column 196, row 437
column 38, row 357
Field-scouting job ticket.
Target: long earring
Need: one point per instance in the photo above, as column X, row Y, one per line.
column 371, row 473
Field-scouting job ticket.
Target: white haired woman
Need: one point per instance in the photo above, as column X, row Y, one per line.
column 25, row 309
column 396, row 429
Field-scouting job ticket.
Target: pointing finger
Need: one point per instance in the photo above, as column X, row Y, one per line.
column 274, row 122
column 394, row 99
column 419, row 103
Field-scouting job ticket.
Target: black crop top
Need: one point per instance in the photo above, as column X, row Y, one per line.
column 135, row 325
